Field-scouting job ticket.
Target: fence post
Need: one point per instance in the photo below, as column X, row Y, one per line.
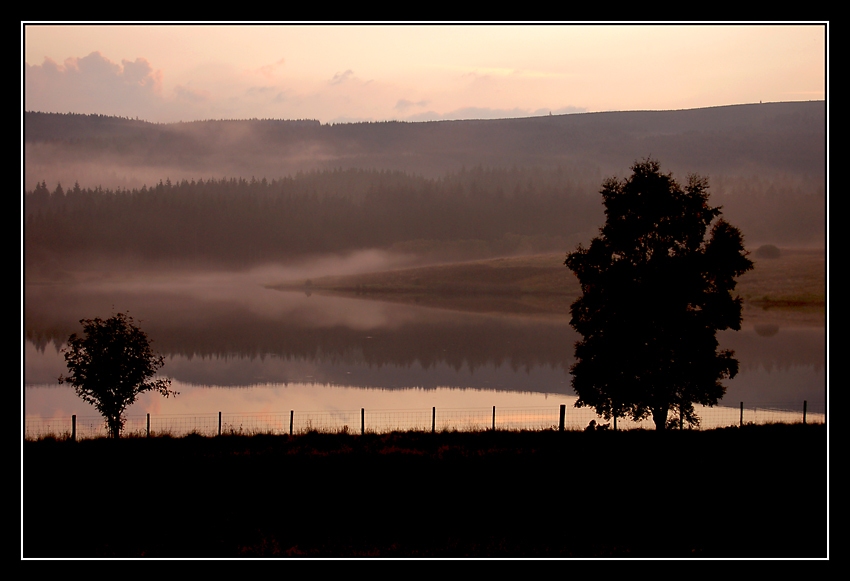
column 741, row 421
column 563, row 410
column 74, row 428
column 804, row 412
column 148, row 426
column 494, row 418
column 291, row 413
column 219, row 423
column 362, row 421
column 433, row 419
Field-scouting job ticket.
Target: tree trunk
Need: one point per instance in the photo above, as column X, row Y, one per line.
column 659, row 416
column 114, row 426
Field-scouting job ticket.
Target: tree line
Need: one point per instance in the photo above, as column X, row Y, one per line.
column 471, row 213
column 461, row 343
column 239, row 220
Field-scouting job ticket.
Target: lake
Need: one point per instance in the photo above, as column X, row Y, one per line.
column 256, row 354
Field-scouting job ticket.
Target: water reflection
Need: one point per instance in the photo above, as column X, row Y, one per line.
column 230, row 331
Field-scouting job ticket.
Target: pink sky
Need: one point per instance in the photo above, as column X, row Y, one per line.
column 338, row 73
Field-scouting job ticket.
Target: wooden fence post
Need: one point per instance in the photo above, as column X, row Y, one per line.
column 561, row 425
column 741, row 421
column 494, row 418
column 74, row 428
column 433, row 419
column 148, row 426
column 291, row 413
column 362, row 421
column 219, row 423
column 804, row 412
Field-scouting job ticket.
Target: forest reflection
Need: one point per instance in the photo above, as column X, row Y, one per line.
column 228, row 330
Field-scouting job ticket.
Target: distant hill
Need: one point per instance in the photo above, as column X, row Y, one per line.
column 256, row 191
column 758, row 139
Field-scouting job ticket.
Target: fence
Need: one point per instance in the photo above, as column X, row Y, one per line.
column 382, row 421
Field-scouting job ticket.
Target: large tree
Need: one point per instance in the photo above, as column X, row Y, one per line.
column 111, row 365
column 655, row 291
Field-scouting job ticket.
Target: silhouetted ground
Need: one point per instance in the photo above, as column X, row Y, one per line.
column 759, row 491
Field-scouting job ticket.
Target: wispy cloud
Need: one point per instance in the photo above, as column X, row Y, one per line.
column 404, row 104
column 506, row 73
column 385, row 72
column 269, row 70
column 341, row 77
column 95, row 84
column 261, row 91
column 190, row 95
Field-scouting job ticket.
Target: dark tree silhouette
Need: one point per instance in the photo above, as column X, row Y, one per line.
column 111, row 365
column 655, row 292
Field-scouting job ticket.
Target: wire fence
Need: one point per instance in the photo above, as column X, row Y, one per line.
column 388, row 420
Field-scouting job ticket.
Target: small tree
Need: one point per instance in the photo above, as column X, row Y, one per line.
column 111, row 365
column 654, row 294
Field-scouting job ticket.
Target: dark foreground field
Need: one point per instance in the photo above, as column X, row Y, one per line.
column 758, row 491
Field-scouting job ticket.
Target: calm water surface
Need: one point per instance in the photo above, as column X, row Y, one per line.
column 233, row 346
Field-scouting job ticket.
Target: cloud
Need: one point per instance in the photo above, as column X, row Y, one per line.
column 140, row 72
column 341, row 77
column 134, row 88
column 93, row 84
column 261, row 91
column 487, row 73
column 187, row 95
column 404, row 104
column 268, row 70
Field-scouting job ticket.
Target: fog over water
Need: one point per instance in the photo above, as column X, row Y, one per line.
column 224, row 210
column 232, row 344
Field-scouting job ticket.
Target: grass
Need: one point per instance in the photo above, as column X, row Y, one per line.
column 796, row 279
column 420, row 495
column 541, row 285
column 250, row 432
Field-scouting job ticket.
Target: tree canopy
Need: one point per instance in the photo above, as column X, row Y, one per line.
column 111, row 365
column 655, row 291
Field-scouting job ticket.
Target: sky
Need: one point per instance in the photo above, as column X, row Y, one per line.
column 413, row 72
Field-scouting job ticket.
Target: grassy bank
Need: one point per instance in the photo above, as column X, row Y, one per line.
column 793, row 284
column 756, row 491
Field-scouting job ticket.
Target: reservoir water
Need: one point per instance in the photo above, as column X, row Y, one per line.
column 265, row 358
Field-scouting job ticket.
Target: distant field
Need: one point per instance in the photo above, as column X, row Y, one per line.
column 522, row 285
column 793, row 285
